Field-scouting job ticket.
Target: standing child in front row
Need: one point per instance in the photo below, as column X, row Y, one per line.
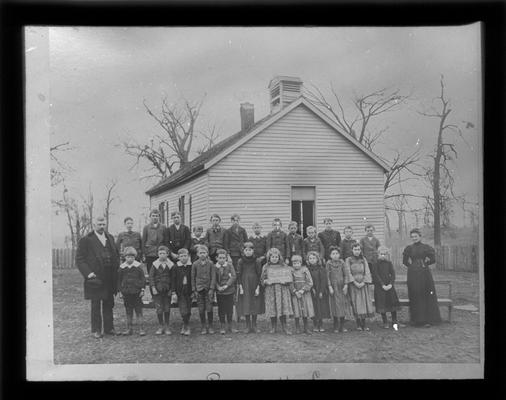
column 301, row 294
column 184, row 288
column 277, row 279
column 358, row 278
column 320, row 290
column 203, row 285
column 340, row 306
column 250, row 300
column 162, row 279
column 385, row 296
column 131, row 284
column 225, row 289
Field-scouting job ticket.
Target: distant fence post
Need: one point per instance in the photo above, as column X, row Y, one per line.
column 63, row 258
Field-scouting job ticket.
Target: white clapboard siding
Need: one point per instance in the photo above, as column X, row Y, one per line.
column 197, row 189
column 300, row 149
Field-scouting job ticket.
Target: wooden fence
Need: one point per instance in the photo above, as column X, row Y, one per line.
column 448, row 258
column 63, row 258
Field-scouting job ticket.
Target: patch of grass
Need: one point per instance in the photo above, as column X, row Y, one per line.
column 457, row 342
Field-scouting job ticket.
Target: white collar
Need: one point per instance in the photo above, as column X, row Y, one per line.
column 218, row 265
column 134, row 264
column 258, row 236
column 180, row 264
column 158, row 263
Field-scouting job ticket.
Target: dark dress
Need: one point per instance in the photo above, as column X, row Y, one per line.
column 383, row 273
column 423, row 307
column 320, row 285
column 248, row 275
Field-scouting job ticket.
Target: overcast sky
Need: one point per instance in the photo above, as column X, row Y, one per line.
column 99, row 78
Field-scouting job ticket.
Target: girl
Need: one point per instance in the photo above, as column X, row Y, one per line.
column 131, row 283
column 340, row 306
column 301, row 294
column 250, row 301
column 370, row 244
column 320, row 290
column 358, row 276
column 277, row 277
column 295, row 241
column 385, row 297
column 225, row 289
column 423, row 307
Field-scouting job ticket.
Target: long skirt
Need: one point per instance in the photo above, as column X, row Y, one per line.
column 303, row 307
column 385, row 300
column 278, row 300
column 423, row 307
column 321, row 306
column 361, row 301
column 340, row 305
column 248, row 303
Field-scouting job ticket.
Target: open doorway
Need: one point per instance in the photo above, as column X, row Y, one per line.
column 303, row 207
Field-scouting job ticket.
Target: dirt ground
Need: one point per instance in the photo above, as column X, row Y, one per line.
column 455, row 342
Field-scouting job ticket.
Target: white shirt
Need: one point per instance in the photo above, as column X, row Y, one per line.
column 101, row 237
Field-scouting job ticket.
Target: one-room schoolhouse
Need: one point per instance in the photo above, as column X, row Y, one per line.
column 293, row 164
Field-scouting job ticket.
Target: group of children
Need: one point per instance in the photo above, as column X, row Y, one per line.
column 279, row 275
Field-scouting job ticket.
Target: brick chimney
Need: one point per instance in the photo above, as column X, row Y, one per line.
column 283, row 90
column 247, row 116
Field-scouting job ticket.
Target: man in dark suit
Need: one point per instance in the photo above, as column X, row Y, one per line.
column 177, row 236
column 98, row 260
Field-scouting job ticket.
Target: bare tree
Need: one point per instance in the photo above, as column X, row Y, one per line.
column 57, row 166
column 78, row 219
column 211, row 137
column 89, row 204
column 170, row 150
column 109, row 187
column 439, row 175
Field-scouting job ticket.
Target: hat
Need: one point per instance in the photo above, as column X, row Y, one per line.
column 130, row 251
column 93, row 283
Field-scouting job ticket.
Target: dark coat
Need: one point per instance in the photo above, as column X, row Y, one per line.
column 346, row 248
column 131, row 280
column 234, row 240
column 278, row 240
column 329, row 238
column 89, row 259
column 152, row 238
column 313, row 245
column 295, row 245
column 215, row 239
column 176, row 239
column 260, row 245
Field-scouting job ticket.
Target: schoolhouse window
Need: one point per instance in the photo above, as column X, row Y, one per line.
column 181, row 207
column 161, row 209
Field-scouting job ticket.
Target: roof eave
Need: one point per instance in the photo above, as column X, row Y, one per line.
column 171, row 185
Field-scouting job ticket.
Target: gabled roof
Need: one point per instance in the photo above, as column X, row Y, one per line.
column 229, row 144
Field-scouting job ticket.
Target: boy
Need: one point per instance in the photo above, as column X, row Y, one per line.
column 129, row 238
column 215, row 236
column 259, row 243
column 295, row 241
column 329, row 237
column 370, row 245
column 312, row 243
column 131, row 284
column 197, row 240
column 161, row 283
column 184, row 288
column 152, row 237
column 225, row 290
column 177, row 236
column 203, row 285
column 347, row 243
column 235, row 238
column 278, row 239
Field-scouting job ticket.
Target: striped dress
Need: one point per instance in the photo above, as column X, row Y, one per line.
column 278, row 299
column 340, row 305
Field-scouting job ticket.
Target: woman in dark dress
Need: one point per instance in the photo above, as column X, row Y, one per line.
column 423, row 307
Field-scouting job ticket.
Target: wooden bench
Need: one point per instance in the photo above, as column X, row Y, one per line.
column 445, row 302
